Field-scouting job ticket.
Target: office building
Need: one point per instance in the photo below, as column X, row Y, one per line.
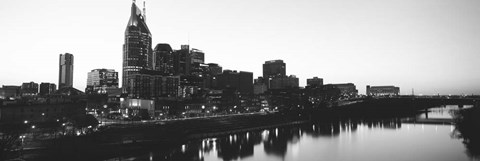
column 29, row 89
column 163, row 59
column 347, row 90
column 47, row 88
column 259, row 86
column 182, row 60
column 272, row 69
column 283, row 82
column 99, row 80
column 240, row 81
column 314, row 82
column 65, row 76
column 137, row 50
column 10, row 91
column 382, row 90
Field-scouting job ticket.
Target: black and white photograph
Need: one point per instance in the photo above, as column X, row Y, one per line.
column 240, row 80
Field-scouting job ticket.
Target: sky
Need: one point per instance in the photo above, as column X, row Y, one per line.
column 431, row 46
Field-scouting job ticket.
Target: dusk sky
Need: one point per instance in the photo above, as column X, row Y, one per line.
column 432, row 46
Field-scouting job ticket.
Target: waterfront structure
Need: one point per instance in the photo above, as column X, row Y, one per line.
column 283, row 82
column 65, row 76
column 47, row 88
column 29, row 89
column 382, row 90
column 163, row 59
column 99, row 80
column 347, row 90
column 314, row 82
column 137, row 50
column 272, row 69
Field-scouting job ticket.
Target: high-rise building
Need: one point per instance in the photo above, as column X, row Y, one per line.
column 101, row 79
column 137, row 50
column 272, row 69
column 315, row 82
column 47, row 88
column 198, row 57
column 182, row 60
column 163, row 59
column 29, row 89
column 65, row 76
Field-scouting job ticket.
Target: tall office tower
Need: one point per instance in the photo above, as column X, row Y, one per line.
column 272, row 69
column 182, row 60
column 137, row 50
column 101, row 79
column 65, row 76
column 163, row 59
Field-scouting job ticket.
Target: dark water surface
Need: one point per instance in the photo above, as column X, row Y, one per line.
column 376, row 140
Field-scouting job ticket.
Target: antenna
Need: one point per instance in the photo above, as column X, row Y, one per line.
column 144, row 12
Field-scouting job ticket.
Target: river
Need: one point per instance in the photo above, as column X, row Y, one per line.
column 345, row 140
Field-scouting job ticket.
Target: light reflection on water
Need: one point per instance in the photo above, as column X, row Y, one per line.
column 343, row 140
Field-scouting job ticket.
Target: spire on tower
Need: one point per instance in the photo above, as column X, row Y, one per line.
column 133, row 1
column 144, row 12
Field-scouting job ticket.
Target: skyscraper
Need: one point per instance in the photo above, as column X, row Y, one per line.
column 273, row 69
column 65, row 76
column 163, row 59
column 137, row 50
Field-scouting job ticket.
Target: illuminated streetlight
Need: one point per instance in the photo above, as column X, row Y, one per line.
column 33, row 126
column 25, row 122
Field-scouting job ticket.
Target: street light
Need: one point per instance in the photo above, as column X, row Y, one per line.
column 25, row 122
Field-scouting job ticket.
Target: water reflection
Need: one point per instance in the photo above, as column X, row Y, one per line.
column 275, row 141
column 339, row 140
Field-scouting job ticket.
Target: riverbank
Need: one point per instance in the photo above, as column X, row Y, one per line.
column 120, row 140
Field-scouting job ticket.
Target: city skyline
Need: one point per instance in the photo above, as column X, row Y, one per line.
column 433, row 52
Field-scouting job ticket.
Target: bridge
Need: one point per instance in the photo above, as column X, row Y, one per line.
column 415, row 102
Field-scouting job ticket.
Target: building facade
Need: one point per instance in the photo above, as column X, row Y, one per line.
column 272, row 69
column 99, row 80
column 382, row 90
column 163, row 59
column 137, row 50
column 284, row 82
column 29, row 89
column 314, row 82
column 347, row 90
column 47, row 88
column 65, row 76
